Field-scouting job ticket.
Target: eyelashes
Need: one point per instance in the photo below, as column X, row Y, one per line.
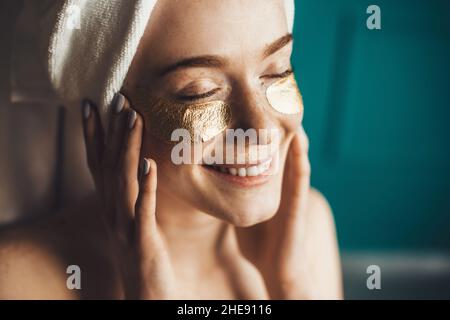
column 280, row 75
column 199, row 96
column 208, row 94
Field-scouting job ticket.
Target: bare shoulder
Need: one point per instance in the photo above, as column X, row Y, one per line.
column 30, row 267
column 34, row 258
column 323, row 244
column 319, row 210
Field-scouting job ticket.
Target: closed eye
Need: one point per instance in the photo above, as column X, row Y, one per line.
column 198, row 96
column 212, row 92
column 279, row 75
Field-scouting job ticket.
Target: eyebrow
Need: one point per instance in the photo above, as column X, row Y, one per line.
column 213, row 61
column 277, row 45
column 208, row 61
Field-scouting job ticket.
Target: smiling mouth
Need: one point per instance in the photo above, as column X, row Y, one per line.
column 244, row 176
column 243, row 170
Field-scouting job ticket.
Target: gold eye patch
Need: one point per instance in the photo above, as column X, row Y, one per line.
column 203, row 121
column 284, row 96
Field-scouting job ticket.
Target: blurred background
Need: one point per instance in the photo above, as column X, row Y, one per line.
column 377, row 111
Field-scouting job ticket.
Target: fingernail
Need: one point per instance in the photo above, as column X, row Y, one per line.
column 119, row 102
column 146, row 167
column 86, row 109
column 132, row 119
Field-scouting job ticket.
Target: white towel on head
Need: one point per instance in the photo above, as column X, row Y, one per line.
column 87, row 46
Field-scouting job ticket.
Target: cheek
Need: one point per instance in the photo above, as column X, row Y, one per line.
column 154, row 147
column 293, row 122
column 290, row 125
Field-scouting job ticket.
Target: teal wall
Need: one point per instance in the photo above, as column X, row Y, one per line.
column 377, row 111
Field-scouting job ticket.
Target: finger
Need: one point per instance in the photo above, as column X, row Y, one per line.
column 145, row 212
column 296, row 179
column 94, row 141
column 114, row 139
column 304, row 141
column 129, row 162
column 115, row 134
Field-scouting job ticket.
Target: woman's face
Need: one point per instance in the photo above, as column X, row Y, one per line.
column 213, row 50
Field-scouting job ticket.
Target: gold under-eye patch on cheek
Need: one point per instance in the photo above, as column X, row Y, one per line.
column 203, row 121
column 284, row 96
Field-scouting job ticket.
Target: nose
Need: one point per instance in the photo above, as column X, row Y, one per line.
column 250, row 110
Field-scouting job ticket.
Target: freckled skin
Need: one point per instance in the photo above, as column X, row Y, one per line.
column 192, row 240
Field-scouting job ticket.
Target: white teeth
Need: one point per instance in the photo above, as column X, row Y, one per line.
column 242, row 172
column 246, row 172
column 252, row 171
column 264, row 166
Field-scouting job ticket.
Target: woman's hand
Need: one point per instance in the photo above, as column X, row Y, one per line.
column 277, row 246
column 128, row 194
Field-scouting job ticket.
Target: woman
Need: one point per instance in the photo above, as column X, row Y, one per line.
column 157, row 230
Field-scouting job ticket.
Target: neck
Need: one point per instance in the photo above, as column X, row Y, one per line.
column 194, row 238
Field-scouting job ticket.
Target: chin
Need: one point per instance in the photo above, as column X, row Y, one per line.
column 250, row 214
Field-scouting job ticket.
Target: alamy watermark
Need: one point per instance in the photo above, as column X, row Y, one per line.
column 74, row 280
column 373, row 282
column 236, row 146
column 373, row 22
